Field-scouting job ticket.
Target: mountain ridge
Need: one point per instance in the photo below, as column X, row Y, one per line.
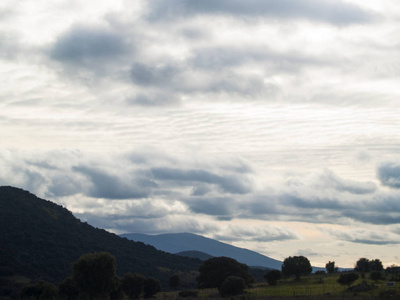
column 41, row 239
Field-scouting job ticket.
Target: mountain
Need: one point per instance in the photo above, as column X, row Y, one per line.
column 40, row 240
column 178, row 242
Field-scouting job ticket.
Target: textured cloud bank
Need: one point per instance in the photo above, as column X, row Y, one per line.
column 269, row 124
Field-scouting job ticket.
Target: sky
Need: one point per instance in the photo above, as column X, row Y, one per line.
column 269, row 125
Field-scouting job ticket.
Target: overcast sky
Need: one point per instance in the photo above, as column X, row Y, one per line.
column 270, row 125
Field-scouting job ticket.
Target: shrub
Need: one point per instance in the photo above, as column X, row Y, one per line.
column 185, row 294
column 273, row 276
column 376, row 275
column 347, row 278
column 232, row 286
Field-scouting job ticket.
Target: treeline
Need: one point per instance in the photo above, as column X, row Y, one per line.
column 94, row 277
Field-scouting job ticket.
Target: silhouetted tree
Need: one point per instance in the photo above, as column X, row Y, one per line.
column 273, row 276
column 117, row 293
column 375, row 265
column 330, row 267
column 394, row 271
column 151, row 287
column 133, row 285
column 296, row 265
column 232, row 286
column 94, row 274
column 215, row 270
column 362, row 265
column 68, row 289
column 39, row 291
column 174, row 281
column 347, row 278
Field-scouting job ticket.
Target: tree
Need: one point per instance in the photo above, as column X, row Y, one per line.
column 375, row 265
column 273, row 276
column 174, row 281
column 232, row 286
column 330, row 267
column 94, row 274
column 215, row 270
column 362, row 265
column 133, row 285
column 68, row 289
column 41, row 290
column 296, row 265
column 394, row 271
column 347, row 278
column 151, row 287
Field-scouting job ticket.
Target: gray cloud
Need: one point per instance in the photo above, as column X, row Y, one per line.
column 228, row 183
column 256, row 234
column 389, row 175
column 364, row 237
column 334, row 12
column 147, row 75
column 104, row 185
column 221, row 207
column 154, row 99
column 82, row 43
column 329, row 179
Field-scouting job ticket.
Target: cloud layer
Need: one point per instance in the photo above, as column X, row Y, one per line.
column 267, row 124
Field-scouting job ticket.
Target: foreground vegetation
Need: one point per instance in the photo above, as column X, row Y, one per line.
column 313, row 286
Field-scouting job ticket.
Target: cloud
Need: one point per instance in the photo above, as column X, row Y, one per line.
column 389, row 175
column 110, row 186
column 154, row 99
column 334, row 12
column 228, row 183
column 256, row 234
column 91, row 48
column 330, row 180
column 220, row 207
column 153, row 75
column 364, row 236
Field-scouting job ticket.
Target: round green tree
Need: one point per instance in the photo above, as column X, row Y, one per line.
column 297, row 266
column 215, row 270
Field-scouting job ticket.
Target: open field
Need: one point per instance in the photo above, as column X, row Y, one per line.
column 309, row 287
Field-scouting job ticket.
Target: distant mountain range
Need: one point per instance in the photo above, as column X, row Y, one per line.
column 180, row 242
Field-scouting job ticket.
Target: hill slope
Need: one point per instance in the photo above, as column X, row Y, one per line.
column 179, row 242
column 40, row 240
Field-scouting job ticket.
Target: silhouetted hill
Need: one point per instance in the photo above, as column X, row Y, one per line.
column 40, row 239
column 178, row 242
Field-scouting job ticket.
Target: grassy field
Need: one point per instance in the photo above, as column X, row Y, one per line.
column 309, row 287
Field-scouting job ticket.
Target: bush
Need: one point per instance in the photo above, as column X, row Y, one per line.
column 347, row 278
column 273, row 276
column 41, row 290
column 185, row 294
column 376, row 275
column 232, row 286
column 151, row 287
column 133, row 285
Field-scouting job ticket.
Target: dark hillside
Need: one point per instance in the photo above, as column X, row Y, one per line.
column 40, row 240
